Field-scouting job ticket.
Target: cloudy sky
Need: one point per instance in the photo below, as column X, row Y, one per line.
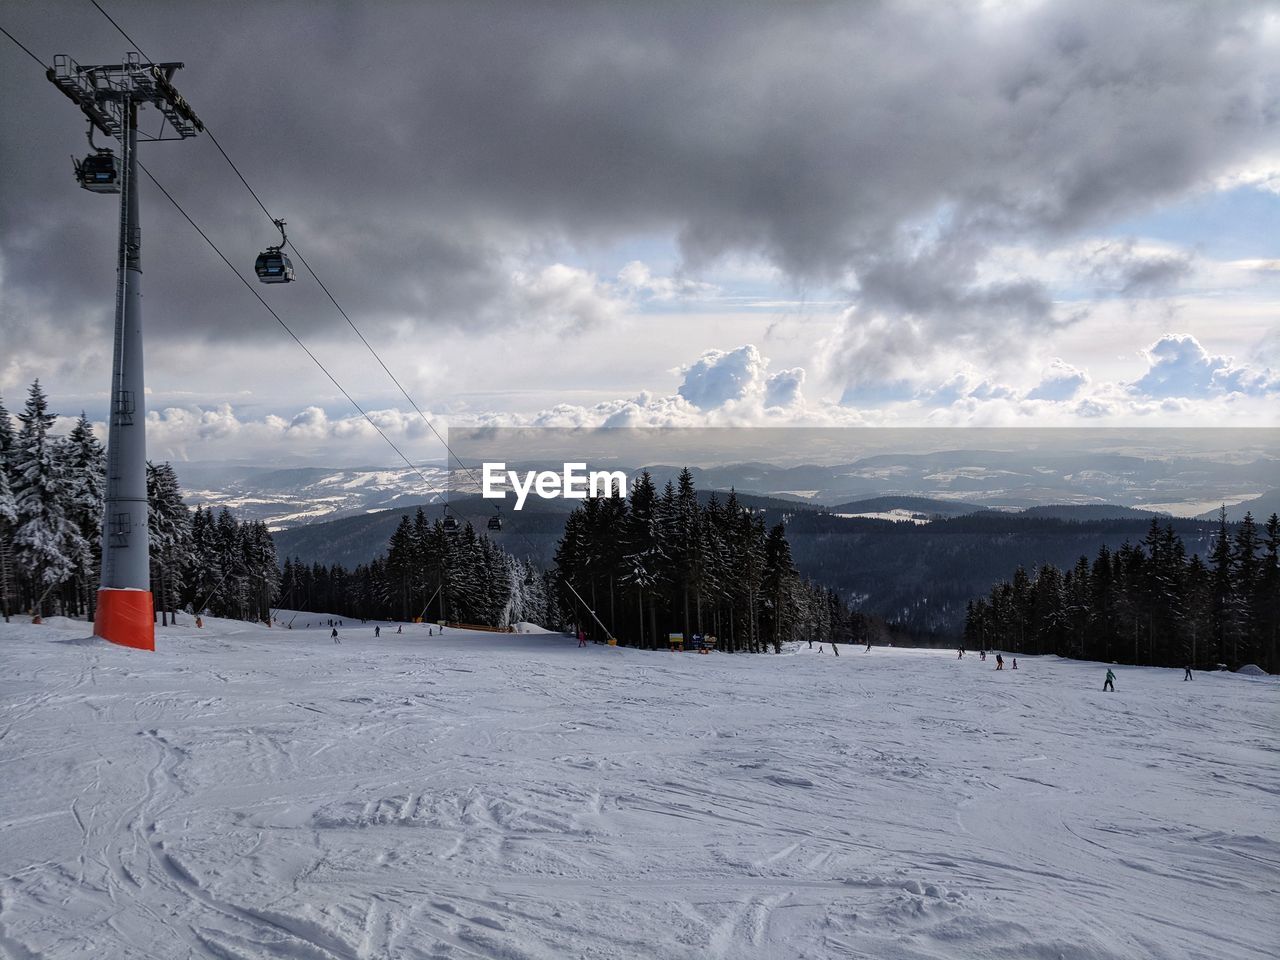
column 1000, row 213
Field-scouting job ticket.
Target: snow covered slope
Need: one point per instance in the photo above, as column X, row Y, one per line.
column 297, row 496
column 255, row 793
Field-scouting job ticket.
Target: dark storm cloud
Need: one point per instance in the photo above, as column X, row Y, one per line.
column 423, row 153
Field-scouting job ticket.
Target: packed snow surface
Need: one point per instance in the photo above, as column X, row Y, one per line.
column 254, row 793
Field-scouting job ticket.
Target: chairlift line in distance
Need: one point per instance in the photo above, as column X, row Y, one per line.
column 273, row 264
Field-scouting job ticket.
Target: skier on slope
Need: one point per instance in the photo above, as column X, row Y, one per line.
column 377, row 632
column 1110, row 682
column 1015, row 663
column 1188, row 676
column 999, row 662
column 335, row 635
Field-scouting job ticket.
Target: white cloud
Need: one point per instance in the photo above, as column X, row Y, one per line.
column 782, row 389
column 1184, row 385
column 1181, row 368
column 719, row 377
column 1262, row 173
column 638, row 280
column 1061, row 381
column 569, row 299
column 564, row 298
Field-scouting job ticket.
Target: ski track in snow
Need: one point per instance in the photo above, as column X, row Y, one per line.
column 245, row 793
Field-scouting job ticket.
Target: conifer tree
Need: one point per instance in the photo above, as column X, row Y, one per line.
column 7, row 436
column 778, row 586
column 86, row 471
column 1225, row 605
column 401, row 554
column 1269, row 591
column 1246, row 577
column 169, row 523
column 8, row 520
column 45, row 542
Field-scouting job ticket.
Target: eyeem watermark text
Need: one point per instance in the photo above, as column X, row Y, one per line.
column 575, row 482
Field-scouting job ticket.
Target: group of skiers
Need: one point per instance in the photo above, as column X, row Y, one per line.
column 377, row 630
column 982, row 655
column 1108, row 683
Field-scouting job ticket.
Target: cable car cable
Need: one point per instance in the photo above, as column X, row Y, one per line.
column 120, row 28
column 22, row 46
column 279, row 320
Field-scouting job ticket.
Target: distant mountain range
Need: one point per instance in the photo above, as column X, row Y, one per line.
column 942, row 484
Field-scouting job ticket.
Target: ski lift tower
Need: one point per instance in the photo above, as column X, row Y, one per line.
column 110, row 95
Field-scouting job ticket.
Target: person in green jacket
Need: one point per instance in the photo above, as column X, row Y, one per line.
column 1110, row 682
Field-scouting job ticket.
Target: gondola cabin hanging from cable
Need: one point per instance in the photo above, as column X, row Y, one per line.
column 273, row 264
column 495, row 522
column 99, row 171
column 450, row 525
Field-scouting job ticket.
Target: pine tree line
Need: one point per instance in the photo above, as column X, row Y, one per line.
column 429, row 573
column 52, row 490
column 231, row 571
column 1146, row 603
column 654, row 564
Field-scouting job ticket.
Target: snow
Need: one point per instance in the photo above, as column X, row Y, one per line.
column 1193, row 508
column 896, row 515
column 247, row 792
column 524, row 626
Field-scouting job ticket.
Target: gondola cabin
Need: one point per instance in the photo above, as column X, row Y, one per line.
column 273, row 266
column 99, row 172
column 495, row 522
column 450, row 525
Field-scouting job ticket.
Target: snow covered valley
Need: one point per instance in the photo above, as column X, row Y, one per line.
column 254, row 793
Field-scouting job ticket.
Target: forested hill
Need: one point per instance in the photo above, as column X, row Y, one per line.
column 530, row 534
column 923, row 575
